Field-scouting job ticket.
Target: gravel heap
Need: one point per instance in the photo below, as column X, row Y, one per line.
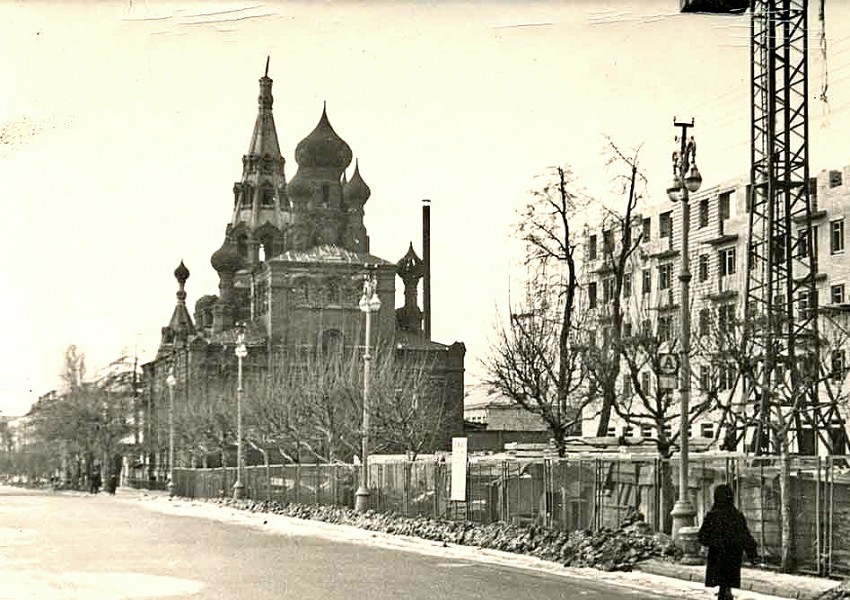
column 606, row 549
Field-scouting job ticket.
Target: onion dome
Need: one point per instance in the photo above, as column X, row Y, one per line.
column 410, row 266
column 356, row 191
column 205, row 302
column 226, row 259
column 323, row 147
column 299, row 186
column 181, row 273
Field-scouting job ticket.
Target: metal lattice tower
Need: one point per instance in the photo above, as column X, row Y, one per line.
column 781, row 307
column 781, row 296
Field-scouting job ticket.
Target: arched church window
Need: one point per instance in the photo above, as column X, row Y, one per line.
column 333, row 292
column 267, row 199
column 331, row 341
column 247, row 196
column 242, row 246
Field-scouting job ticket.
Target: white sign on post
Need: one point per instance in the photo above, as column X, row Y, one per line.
column 458, row 487
column 668, row 364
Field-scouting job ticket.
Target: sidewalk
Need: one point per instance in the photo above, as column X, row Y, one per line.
column 756, row 580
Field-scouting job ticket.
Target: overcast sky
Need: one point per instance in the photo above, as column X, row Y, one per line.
column 124, row 124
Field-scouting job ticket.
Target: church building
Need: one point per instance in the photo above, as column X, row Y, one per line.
column 291, row 270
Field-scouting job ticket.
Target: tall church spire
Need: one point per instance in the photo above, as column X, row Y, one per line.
column 260, row 200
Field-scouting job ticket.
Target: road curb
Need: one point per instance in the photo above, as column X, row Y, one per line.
column 797, row 587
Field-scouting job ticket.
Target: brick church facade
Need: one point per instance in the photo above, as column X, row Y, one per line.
column 291, row 268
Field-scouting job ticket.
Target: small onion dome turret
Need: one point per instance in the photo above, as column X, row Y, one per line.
column 356, row 191
column 299, row 187
column 226, row 259
column 181, row 273
column 410, row 266
column 323, row 147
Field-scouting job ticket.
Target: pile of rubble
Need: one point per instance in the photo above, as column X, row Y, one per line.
column 606, row 549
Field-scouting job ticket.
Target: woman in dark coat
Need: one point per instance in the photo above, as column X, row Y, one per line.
column 724, row 531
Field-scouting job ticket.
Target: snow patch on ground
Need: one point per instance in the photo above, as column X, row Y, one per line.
column 25, row 584
column 288, row 526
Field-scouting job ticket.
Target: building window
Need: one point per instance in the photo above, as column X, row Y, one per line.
column 612, row 431
column 646, row 328
column 704, row 321
column 665, row 328
column 607, row 289
column 646, row 284
column 703, row 267
column 706, row 430
column 803, row 305
column 665, row 225
column 591, row 248
column 803, row 243
column 703, row 213
column 646, row 232
column 627, row 285
column 645, row 383
column 724, row 207
column 727, row 262
column 591, row 338
column 591, row 294
column 727, row 377
column 725, row 317
column 646, row 431
column 834, row 178
column 267, row 198
column 779, row 249
column 665, row 276
column 836, row 293
column 837, row 236
column 704, row 378
column 331, row 342
column 607, row 242
column 627, row 330
column 838, row 365
column 753, row 255
column 628, row 431
column 628, row 392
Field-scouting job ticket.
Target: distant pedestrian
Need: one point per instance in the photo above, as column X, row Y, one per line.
column 95, row 482
column 724, row 531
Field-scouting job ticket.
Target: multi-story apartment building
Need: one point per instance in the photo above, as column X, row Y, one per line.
column 718, row 239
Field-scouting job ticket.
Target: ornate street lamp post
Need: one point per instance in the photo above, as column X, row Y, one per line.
column 241, row 352
column 686, row 179
column 369, row 303
column 171, row 381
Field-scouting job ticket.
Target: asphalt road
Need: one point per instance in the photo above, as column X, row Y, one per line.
column 57, row 546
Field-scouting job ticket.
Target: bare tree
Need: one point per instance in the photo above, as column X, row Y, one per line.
column 407, row 399
column 647, row 401
column 86, row 423
column 621, row 240
column 534, row 360
column 311, row 403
